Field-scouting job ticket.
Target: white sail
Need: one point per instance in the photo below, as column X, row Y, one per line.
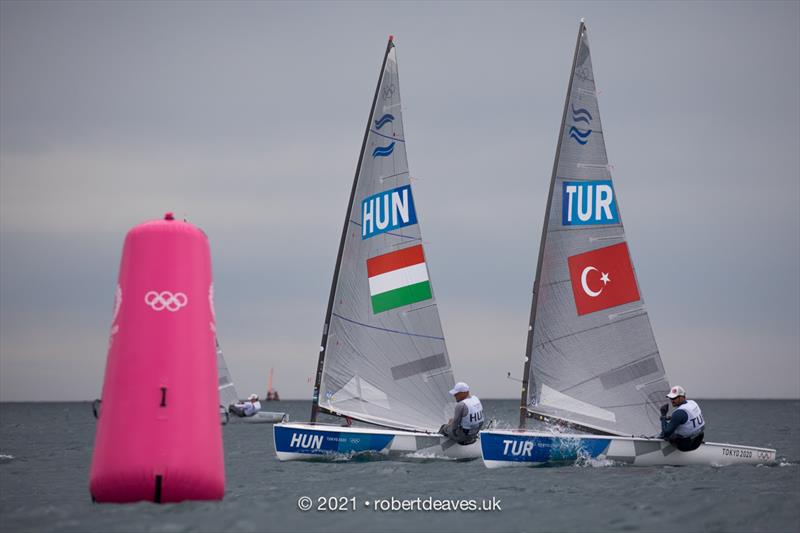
column 383, row 357
column 227, row 390
column 592, row 357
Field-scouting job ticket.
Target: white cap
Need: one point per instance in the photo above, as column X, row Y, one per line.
column 460, row 387
column 676, row 391
column 253, row 397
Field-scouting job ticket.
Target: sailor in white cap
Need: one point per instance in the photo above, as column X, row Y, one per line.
column 467, row 419
column 684, row 429
column 248, row 408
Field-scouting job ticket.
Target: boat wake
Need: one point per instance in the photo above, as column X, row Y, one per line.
column 354, row 457
column 6, row 458
column 427, row 456
column 780, row 463
column 590, row 462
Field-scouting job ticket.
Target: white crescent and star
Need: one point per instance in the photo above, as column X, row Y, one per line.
column 585, row 286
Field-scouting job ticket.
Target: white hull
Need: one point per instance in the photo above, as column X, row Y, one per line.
column 529, row 448
column 261, row 417
column 264, row 417
column 296, row 441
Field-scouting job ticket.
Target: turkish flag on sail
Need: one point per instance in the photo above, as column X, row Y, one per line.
column 602, row 278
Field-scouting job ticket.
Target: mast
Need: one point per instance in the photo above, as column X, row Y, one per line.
column 523, row 406
column 324, row 342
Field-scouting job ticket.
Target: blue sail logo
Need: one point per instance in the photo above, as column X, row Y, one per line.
column 383, row 151
column 578, row 135
column 381, row 122
column 581, row 115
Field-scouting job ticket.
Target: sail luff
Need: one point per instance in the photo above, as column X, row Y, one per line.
column 334, row 281
column 523, row 408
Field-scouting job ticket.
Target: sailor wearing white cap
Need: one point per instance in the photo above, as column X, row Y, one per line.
column 684, row 429
column 467, row 418
column 248, row 408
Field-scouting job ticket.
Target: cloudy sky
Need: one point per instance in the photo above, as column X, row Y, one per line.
column 247, row 118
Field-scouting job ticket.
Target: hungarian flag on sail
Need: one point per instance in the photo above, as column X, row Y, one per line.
column 398, row 278
column 602, row 278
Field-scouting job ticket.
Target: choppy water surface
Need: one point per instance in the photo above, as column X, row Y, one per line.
column 45, row 452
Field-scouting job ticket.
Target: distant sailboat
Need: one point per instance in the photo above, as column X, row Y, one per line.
column 592, row 362
column 227, row 390
column 228, row 396
column 383, row 358
column 272, row 394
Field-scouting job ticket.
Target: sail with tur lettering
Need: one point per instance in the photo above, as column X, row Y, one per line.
column 592, row 359
column 383, row 357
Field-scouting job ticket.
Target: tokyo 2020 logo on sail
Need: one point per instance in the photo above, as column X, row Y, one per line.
column 172, row 302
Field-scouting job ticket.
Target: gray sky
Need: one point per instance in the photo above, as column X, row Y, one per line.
column 248, row 119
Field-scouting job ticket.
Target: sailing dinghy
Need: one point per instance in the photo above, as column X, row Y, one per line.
column 227, row 390
column 383, row 359
column 228, row 395
column 591, row 362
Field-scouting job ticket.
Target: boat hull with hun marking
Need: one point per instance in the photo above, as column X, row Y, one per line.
column 308, row 442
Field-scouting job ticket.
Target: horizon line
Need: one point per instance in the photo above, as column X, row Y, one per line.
column 485, row 398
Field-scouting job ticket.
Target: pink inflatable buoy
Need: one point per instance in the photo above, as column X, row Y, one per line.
column 158, row 436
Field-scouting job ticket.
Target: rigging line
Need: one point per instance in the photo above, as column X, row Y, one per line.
column 623, row 405
column 554, row 283
column 550, row 341
column 390, row 232
column 642, row 358
column 607, row 238
column 387, row 136
column 583, row 228
column 593, row 165
column 388, row 330
column 580, row 180
column 392, row 176
column 420, row 308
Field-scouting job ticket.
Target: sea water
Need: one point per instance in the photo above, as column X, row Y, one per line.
column 46, row 448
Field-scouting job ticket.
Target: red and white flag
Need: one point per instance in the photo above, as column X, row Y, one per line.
column 602, row 278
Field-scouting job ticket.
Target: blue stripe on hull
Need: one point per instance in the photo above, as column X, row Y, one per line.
column 536, row 449
column 312, row 442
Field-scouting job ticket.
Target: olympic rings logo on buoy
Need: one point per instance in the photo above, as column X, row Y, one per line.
column 159, row 301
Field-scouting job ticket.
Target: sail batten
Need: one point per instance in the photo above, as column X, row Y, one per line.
column 383, row 355
column 592, row 359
